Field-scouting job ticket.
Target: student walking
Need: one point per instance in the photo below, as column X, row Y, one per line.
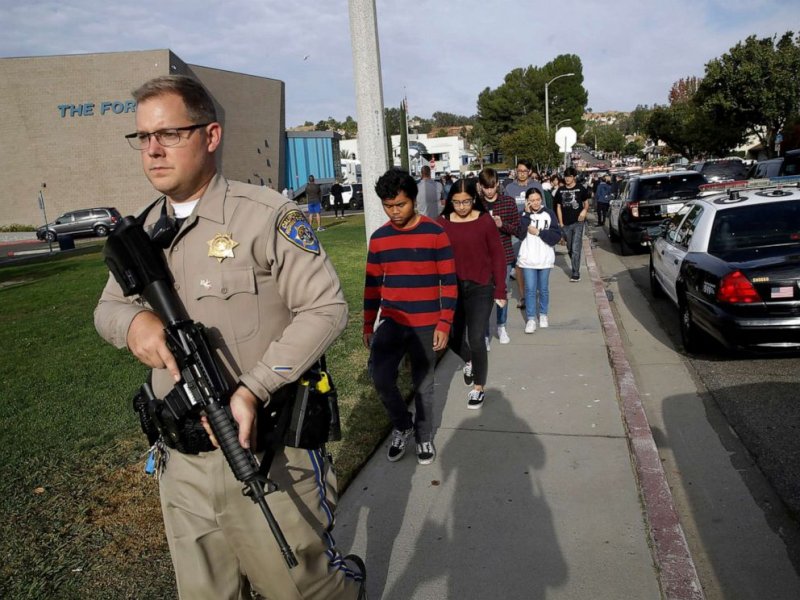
column 539, row 225
column 503, row 210
column 481, row 271
column 572, row 206
column 410, row 277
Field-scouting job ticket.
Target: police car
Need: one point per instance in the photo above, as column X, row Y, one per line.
column 730, row 262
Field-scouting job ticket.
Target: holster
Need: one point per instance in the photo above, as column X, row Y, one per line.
column 304, row 414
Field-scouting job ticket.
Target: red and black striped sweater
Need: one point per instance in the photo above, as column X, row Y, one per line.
column 411, row 277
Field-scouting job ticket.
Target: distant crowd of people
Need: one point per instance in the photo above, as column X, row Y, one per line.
column 442, row 263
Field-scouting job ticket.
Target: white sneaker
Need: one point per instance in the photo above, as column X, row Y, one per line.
column 530, row 326
column 503, row 334
column 543, row 321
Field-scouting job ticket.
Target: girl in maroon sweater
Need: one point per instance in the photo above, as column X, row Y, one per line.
column 481, row 272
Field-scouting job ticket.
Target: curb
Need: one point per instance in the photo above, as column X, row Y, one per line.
column 677, row 574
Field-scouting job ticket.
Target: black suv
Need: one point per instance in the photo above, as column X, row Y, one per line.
column 717, row 170
column 87, row 221
column 789, row 164
column 647, row 200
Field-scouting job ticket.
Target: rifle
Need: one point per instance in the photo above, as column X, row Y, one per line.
column 139, row 268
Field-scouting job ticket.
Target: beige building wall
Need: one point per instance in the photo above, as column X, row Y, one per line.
column 63, row 118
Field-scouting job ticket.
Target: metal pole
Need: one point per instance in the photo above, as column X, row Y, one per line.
column 547, row 99
column 546, row 107
column 372, row 146
column 44, row 213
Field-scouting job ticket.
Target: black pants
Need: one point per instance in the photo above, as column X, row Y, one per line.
column 469, row 324
column 602, row 211
column 391, row 342
column 338, row 206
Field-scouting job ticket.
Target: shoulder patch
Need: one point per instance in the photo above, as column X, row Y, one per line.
column 295, row 228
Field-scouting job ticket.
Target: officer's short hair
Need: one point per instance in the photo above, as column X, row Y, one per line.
column 394, row 181
column 199, row 105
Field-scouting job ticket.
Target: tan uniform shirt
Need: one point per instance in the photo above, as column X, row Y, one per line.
column 272, row 304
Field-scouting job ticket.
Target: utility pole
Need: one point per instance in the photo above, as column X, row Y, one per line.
column 369, row 106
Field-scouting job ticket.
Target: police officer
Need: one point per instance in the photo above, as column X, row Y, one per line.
column 247, row 265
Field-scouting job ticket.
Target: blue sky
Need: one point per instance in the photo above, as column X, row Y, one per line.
column 441, row 53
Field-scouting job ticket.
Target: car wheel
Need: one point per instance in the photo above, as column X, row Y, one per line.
column 50, row 236
column 693, row 339
column 101, row 231
column 655, row 287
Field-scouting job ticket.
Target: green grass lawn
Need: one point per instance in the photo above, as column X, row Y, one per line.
column 80, row 519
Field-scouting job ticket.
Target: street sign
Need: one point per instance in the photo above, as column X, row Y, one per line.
column 566, row 138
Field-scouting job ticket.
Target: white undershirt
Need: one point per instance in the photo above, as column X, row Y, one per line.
column 183, row 209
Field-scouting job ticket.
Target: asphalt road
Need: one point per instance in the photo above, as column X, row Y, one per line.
column 727, row 429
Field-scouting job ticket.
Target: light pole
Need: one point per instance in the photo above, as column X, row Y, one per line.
column 562, row 121
column 547, row 99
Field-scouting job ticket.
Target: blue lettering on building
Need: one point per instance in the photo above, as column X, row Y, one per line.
column 87, row 109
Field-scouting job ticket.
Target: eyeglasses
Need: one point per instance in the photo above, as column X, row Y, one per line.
column 462, row 202
column 165, row 137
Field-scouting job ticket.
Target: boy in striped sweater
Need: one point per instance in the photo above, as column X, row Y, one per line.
column 411, row 278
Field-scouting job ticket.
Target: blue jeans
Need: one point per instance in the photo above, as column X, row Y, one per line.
column 574, row 235
column 536, row 280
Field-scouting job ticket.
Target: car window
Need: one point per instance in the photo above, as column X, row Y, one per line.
column 685, row 186
column 82, row 214
column 686, row 230
column 756, row 226
column 724, row 169
column 791, row 165
column 653, row 189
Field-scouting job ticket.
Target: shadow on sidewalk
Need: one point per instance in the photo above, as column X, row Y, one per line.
column 493, row 508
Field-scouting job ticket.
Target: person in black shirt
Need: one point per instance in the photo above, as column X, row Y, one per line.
column 338, row 201
column 572, row 206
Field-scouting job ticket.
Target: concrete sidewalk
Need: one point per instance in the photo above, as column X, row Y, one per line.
column 537, row 494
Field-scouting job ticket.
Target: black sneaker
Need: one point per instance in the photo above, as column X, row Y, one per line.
column 475, row 399
column 575, row 278
column 426, row 453
column 398, row 446
column 469, row 376
column 360, row 576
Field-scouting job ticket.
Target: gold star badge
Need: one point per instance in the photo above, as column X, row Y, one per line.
column 221, row 246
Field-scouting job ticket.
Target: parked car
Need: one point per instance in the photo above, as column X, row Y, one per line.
column 717, row 170
column 647, row 200
column 85, row 222
column 352, row 197
column 730, row 262
column 789, row 164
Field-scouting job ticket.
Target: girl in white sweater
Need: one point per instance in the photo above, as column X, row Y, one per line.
column 540, row 232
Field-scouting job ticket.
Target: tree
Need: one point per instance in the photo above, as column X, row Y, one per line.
column 637, row 122
column 683, row 89
column 633, row 148
column 403, row 138
column 446, row 119
column 392, row 120
column 531, row 140
column 519, row 99
column 476, row 141
column 755, row 87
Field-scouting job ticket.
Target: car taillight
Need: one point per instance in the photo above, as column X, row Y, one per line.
column 634, row 206
column 736, row 288
column 113, row 219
